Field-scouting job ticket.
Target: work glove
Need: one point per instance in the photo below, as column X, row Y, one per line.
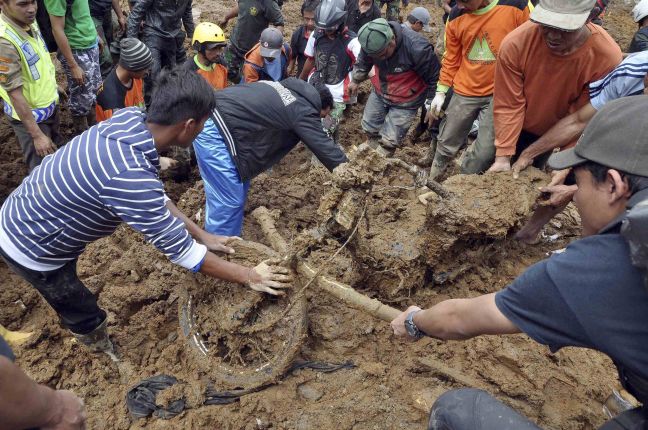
column 433, row 107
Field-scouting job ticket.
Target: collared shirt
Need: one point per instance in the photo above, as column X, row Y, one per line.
column 82, row 192
column 10, row 65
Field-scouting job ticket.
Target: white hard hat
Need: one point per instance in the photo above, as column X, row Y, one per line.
column 640, row 11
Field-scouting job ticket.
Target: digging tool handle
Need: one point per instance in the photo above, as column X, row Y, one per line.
column 343, row 292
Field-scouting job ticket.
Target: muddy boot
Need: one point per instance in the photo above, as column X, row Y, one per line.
column 97, row 340
column 418, row 132
column 428, row 158
column 439, row 166
column 79, row 124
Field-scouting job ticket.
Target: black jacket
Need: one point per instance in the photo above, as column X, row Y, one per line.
column 355, row 19
column 162, row 18
column 262, row 121
column 406, row 78
column 639, row 41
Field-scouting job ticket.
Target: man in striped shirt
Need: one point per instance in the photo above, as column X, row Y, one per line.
column 106, row 176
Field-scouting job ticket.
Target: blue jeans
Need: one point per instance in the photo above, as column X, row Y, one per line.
column 224, row 191
column 390, row 123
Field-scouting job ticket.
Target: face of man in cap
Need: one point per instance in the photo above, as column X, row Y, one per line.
column 562, row 42
column 385, row 53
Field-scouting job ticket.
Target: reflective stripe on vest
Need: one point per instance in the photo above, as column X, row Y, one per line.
column 39, row 81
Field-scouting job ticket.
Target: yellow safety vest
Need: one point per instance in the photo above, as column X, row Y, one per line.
column 38, row 74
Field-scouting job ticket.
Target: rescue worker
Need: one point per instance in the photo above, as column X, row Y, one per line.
column 115, row 180
column 558, row 44
column 406, row 75
column 593, row 295
column 209, row 42
column 161, row 23
column 473, row 35
column 28, row 82
column 252, row 127
column 267, row 60
column 253, row 16
column 78, row 53
column 123, row 86
column 331, row 53
column 640, row 39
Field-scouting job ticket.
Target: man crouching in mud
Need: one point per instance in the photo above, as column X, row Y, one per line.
column 106, row 176
column 593, row 295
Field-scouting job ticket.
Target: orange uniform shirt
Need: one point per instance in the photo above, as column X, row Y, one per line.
column 113, row 95
column 535, row 88
column 216, row 74
column 473, row 41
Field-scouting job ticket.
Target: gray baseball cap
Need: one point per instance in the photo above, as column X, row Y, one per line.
column 617, row 137
column 422, row 14
column 568, row 15
column 271, row 41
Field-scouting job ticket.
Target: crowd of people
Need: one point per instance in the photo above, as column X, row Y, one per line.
column 536, row 83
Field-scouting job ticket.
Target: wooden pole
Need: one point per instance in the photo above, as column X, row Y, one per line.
column 343, row 292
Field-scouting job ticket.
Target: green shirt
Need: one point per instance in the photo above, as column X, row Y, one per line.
column 79, row 28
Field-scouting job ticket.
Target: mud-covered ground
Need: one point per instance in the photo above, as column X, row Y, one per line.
column 394, row 383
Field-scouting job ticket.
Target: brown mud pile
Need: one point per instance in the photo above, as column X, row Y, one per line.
column 401, row 253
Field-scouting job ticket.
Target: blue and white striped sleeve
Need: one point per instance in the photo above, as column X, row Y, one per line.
column 137, row 197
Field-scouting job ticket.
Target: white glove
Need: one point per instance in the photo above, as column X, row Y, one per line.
column 434, row 108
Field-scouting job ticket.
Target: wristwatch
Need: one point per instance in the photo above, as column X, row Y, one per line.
column 411, row 328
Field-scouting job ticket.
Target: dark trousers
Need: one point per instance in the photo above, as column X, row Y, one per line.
column 75, row 305
column 472, row 409
column 525, row 140
column 164, row 53
column 50, row 127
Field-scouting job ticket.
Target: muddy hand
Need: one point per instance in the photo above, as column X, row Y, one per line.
column 68, row 412
column 217, row 243
column 522, row 163
column 398, row 324
column 556, row 195
column 167, row 163
column 268, row 275
column 501, row 164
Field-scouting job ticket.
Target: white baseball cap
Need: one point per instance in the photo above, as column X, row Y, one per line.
column 568, row 15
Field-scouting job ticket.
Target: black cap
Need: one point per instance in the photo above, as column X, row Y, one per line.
column 617, row 137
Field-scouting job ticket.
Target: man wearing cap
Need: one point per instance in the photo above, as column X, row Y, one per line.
column 123, row 87
column 406, row 74
column 360, row 12
column 267, row 60
column 418, row 20
column 474, row 33
column 543, row 71
column 252, row 17
column 593, row 295
column 27, row 87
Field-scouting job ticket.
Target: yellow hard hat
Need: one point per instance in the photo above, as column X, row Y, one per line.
column 207, row 33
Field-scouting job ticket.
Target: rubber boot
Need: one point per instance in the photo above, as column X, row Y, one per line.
column 428, row 158
column 80, row 124
column 97, row 340
column 439, row 166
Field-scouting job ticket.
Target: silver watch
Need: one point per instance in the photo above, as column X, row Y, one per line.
column 411, row 328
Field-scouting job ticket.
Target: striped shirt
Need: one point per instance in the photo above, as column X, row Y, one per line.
column 83, row 191
column 627, row 79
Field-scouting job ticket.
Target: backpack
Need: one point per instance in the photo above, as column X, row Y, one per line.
column 45, row 25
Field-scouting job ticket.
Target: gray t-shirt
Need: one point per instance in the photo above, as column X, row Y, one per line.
column 589, row 296
column 254, row 17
